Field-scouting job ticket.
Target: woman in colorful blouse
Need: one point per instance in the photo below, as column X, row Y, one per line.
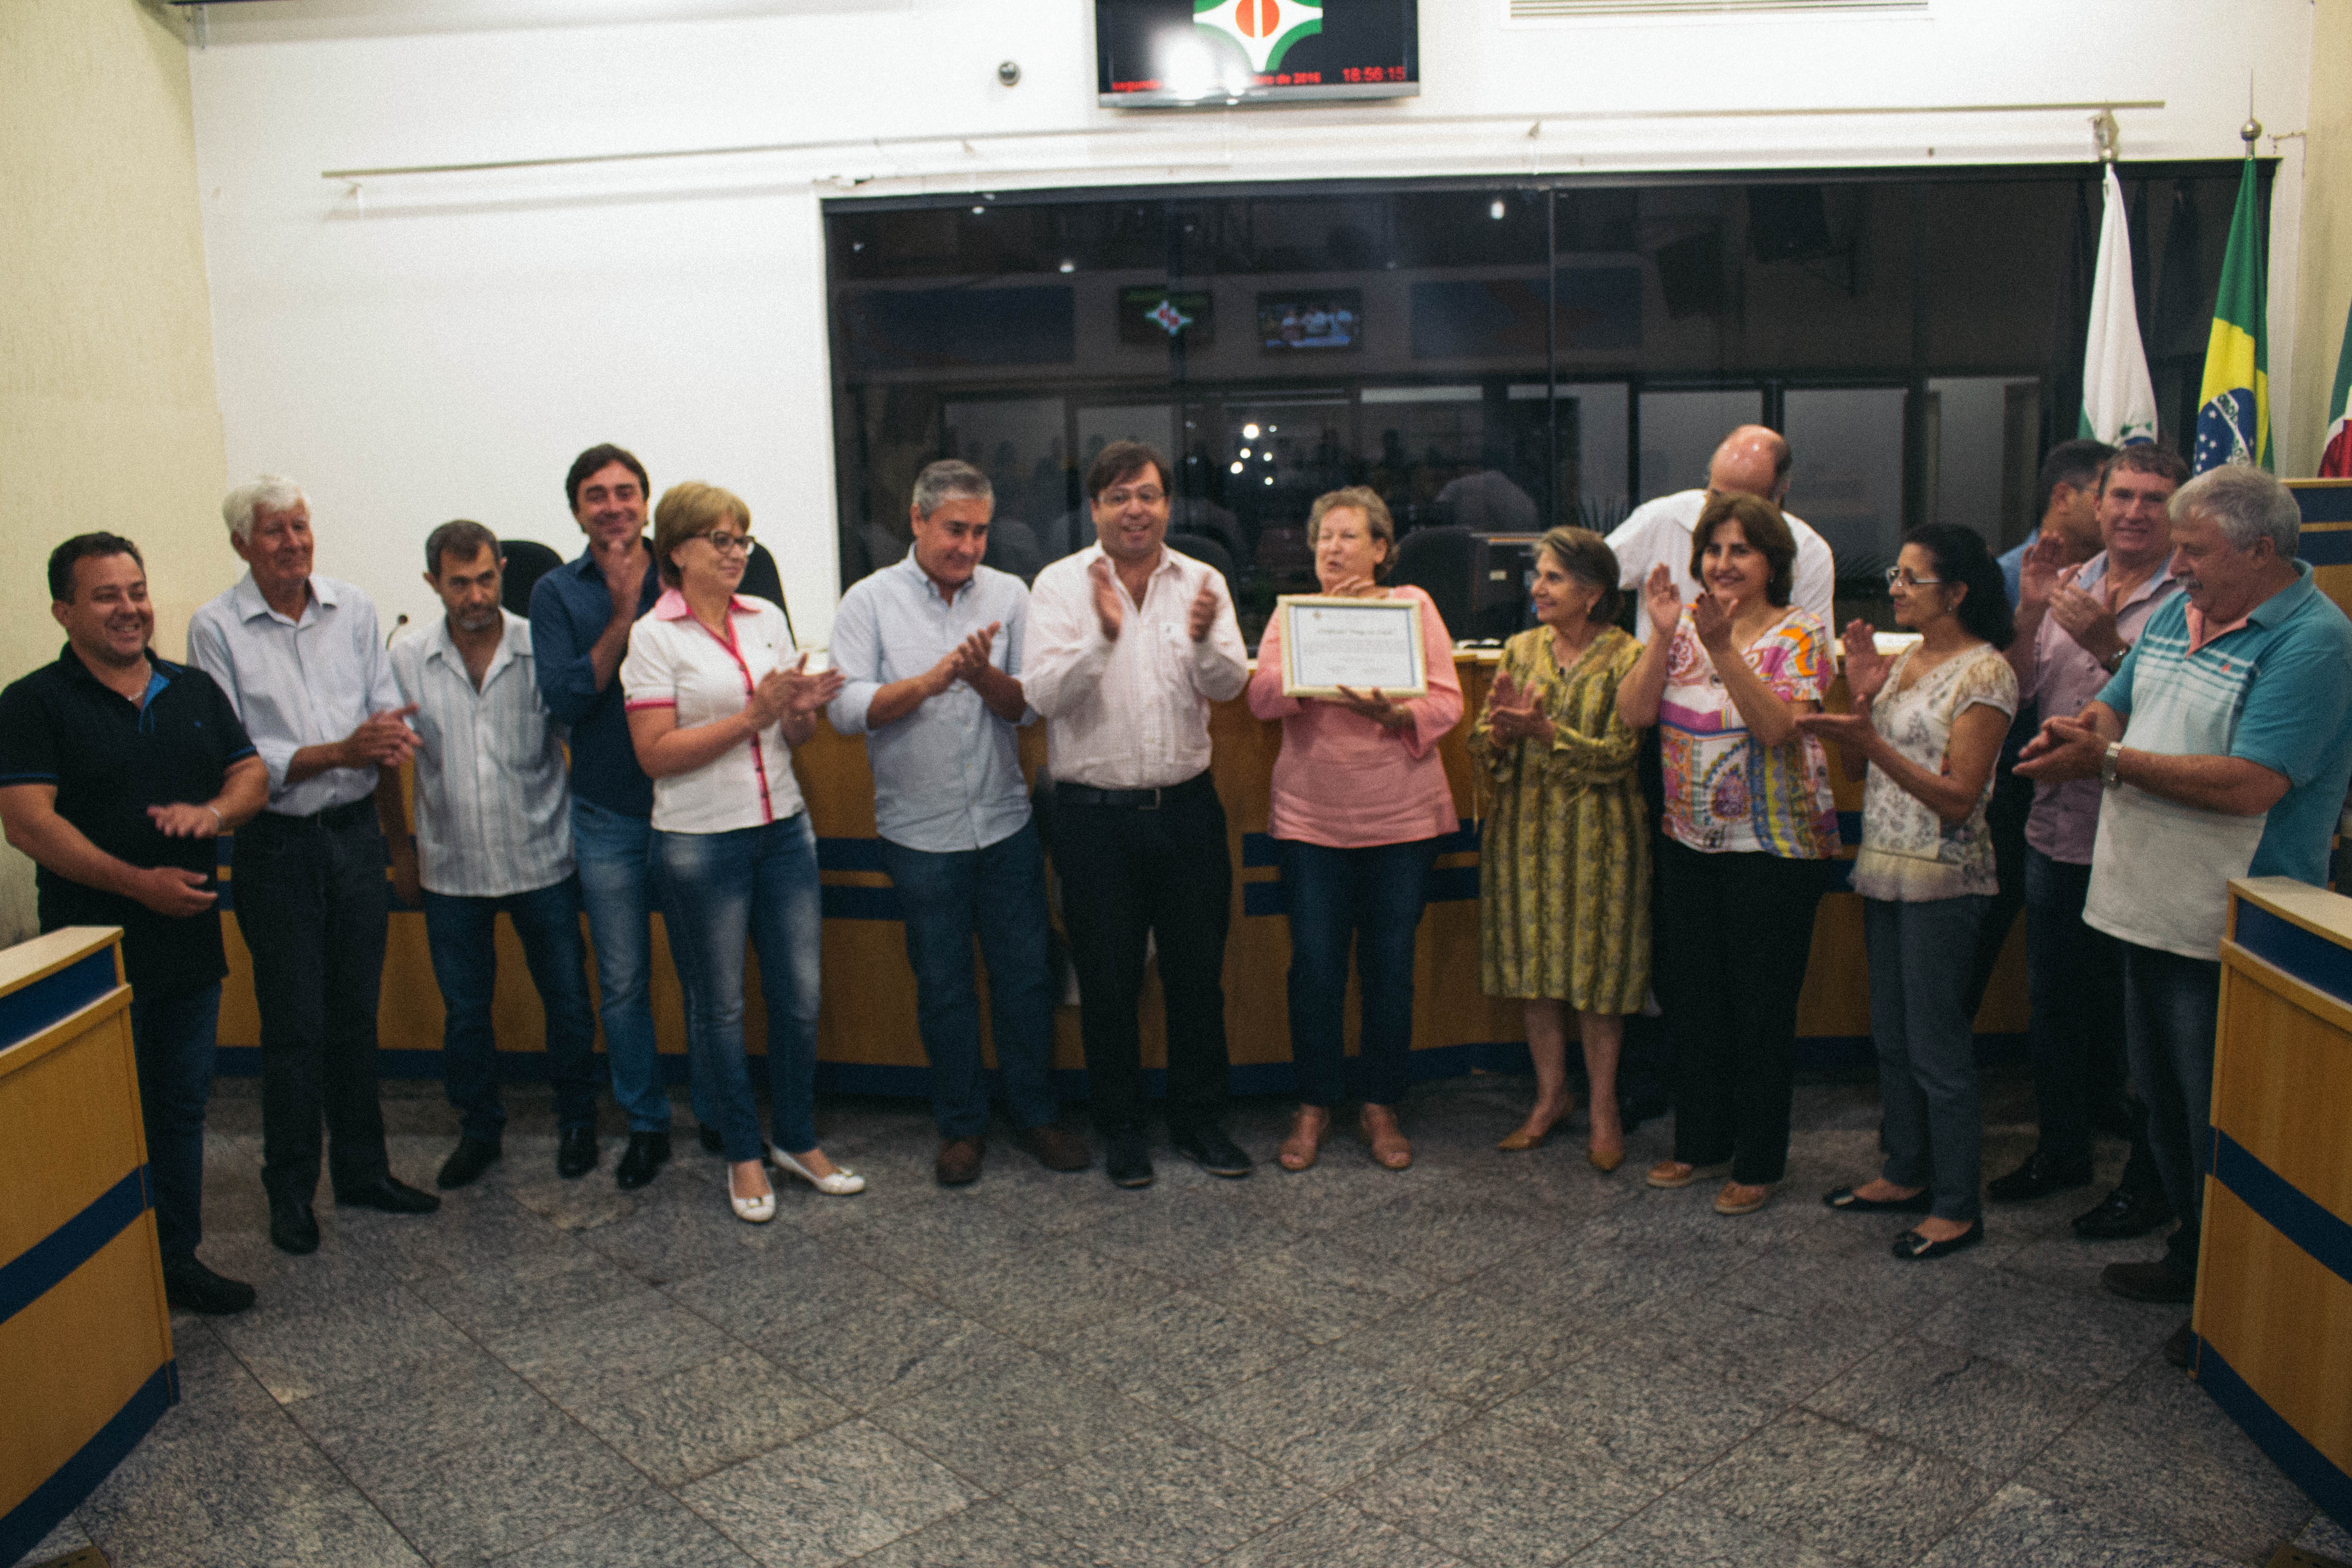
column 1564, row 870
column 1748, row 819
column 1928, row 725
column 1361, row 805
column 715, row 700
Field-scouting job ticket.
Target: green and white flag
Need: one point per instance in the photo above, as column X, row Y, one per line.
column 2118, row 399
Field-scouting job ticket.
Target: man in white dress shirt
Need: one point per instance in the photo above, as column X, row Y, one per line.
column 303, row 661
column 493, row 835
column 1130, row 644
column 1753, row 460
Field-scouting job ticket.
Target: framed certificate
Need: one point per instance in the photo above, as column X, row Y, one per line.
column 1361, row 644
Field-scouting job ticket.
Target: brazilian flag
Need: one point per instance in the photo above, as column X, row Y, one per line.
column 2234, row 407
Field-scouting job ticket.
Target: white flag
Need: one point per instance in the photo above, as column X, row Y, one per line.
column 2118, row 399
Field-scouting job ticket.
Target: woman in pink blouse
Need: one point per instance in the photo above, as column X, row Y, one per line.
column 1361, row 807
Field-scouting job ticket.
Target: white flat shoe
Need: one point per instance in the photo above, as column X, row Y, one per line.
column 840, row 1184
column 754, row 1211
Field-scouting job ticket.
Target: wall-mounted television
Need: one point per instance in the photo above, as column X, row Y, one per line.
column 1175, row 53
column 1302, row 321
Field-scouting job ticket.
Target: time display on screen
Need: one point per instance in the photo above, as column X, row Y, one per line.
column 1173, row 53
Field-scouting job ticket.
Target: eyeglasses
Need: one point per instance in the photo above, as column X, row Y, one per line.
column 1897, row 577
column 728, row 543
column 1150, row 495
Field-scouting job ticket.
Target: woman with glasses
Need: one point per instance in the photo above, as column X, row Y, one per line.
column 1749, row 821
column 1926, row 729
column 716, row 700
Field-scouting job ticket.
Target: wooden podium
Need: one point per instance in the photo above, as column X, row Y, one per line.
column 85, row 1336
column 2274, row 1269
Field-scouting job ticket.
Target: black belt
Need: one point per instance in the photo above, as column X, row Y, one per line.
column 1133, row 799
column 335, row 818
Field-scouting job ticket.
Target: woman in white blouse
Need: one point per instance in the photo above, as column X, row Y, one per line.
column 1928, row 725
column 716, row 698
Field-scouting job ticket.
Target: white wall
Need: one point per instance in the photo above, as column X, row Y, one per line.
column 440, row 346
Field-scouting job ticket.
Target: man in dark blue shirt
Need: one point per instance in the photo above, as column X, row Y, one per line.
column 117, row 772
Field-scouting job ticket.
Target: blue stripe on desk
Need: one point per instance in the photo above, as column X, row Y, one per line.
column 2289, row 1449
column 2314, row 960
column 849, row 855
column 34, row 1272
column 2283, row 1206
column 2325, row 546
column 56, row 996
column 49, row 1502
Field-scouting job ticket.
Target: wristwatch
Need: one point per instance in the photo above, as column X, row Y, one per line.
column 2123, row 651
column 2108, row 763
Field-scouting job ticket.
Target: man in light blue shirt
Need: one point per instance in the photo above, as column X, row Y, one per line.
column 931, row 652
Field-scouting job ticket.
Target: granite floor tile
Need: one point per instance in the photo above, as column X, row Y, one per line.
column 663, row 1243
column 514, row 1491
column 1319, row 1290
column 844, row 1492
column 1336, row 1534
column 949, row 1236
column 68, row 1536
column 476, row 1228
column 1966, row 1408
column 377, row 1431
column 2020, row 1528
column 296, row 1353
column 1675, row 1532
column 1039, row 1296
column 600, row 1348
column 1178, row 1349
column 1011, row 1421
column 1664, row 1422
column 1841, row 1273
column 1843, row 1491
column 1763, row 1354
column 491, row 1302
column 1497, row 1494
column 1325, row 1419
column 301, row 1527
column 686, row 1425
column 900, row 1345
column 2327, row 1539
column 660, row 1532
column 1443, row 1236
column 1167, row 1497
column 785, row 1291
column 590, row 1203
column 1186, row 1240
column 987, row 1534
column 2086, row 1339
column 1477, row 1342
column 196, row 1478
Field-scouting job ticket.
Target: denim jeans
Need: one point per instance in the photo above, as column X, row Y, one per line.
column 2170, row 1005
column 1919, row 958
column 759, row 884
column 618, row 889
column 998, row 892
column 461, row 932
column 1369, row 899
column 172, row 1037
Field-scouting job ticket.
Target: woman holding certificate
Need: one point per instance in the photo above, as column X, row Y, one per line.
column 1564, row 876
column 1359, row 806
column 1748, row 818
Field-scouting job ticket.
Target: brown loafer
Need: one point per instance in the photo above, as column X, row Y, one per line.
column 1389, row 1148
column 1739, row 1199
column 1308, row 1128
column 959, row 1162
column 1055, row 1148
column 1674, row 1173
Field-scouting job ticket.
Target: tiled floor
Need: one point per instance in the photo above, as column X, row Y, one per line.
column 1505, row 1360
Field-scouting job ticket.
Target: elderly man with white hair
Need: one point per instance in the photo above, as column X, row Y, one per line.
column 303, row 662
column 2222, row 745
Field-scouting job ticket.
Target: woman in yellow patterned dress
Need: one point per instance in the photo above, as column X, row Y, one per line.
column 1564, row 875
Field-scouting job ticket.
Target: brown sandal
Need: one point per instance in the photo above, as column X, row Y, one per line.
column 1389, row 1148
column 1308, row 1128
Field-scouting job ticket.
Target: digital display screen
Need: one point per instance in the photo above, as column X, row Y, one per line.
column 1325, row 318
column 1148, row 315
column 1172, row 53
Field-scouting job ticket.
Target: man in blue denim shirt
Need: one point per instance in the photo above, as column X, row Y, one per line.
column 929, row 650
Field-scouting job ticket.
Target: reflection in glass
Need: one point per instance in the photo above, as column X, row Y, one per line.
column 1845, row 473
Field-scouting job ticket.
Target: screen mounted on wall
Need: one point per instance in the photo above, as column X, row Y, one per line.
column 1173, row 52
column 1302, row 321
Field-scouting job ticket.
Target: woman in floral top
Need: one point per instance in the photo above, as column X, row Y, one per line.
column 1928, row 725
column 1748, row 819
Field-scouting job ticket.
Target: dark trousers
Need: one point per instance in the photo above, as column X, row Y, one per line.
column 461, row 934
column 1370, row 900
column 1934, row 1130
column 997, row 893
column 1167, row 872
column 2076, row 975
column 312, row 902
column 2170, row 1005
column 172, row 1036
column 2005, row 815
column 1732, row 946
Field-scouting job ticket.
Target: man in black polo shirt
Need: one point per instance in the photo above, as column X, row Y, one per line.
column 117, row 771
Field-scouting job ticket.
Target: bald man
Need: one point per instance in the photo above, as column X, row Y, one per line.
column 1753, row 460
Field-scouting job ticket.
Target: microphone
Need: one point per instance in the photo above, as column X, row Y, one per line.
column 397, row 622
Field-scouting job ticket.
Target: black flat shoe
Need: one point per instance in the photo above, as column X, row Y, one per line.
column 1913, row 1248
column 2037, row 1178
column 1206, row 1145
column 193, row 1288
column 1127, row 1158
column 466, row 1163
column 391, row 1195
column 648, row 1152
column 2122, row 1214
column 1847, row 1201
column 575, row 1152
column 292, row 1227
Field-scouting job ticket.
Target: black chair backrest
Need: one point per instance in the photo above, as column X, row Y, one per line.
column 527, row 561
column 1437, row 562
column 1208, row 552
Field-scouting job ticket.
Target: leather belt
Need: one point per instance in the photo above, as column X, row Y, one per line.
column 335, row 818
column 1131, row 799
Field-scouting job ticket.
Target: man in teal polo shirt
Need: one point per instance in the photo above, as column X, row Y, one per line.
column 2224, row 746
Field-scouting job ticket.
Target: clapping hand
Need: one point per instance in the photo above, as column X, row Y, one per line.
column 1662, row 600
column 2063, row 748
column 1866, row 668
column 1373, row 706
column 2038, row 572
column 806, row 691
column 964, row 660
column 1204, row 613
column 1110, row 609
column 1711, row 624
column 1512, row 715
column 2087, row 618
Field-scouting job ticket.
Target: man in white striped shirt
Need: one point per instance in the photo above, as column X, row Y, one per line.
column 493, row 834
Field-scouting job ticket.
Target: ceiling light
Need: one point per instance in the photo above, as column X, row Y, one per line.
column 1494, row 211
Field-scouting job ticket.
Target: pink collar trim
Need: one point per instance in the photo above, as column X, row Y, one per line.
column 672, row 605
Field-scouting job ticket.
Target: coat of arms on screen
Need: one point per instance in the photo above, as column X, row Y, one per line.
column 1264, row 29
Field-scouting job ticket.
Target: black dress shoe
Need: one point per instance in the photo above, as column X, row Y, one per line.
column 292, row 1227
column 2123, row 1213
column 2180, row 1349
column 575, row 1152
column 1848, row 1201
column 389, row 1195
column 711, row 1141
column 466, row 1163
column 193, row 1288
column 2153, row 1281
column 1128, row 1158
column 1205, row 1144
column 1913, row 1248
column 2038, row 1177
column 647, row 1154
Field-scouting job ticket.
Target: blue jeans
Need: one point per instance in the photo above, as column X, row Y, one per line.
column 758, row 883
column 461, row 932
column 1919, row 958
column 997, row 891
column 2171, row 1005
column 172, row 1037
column 617, row 889
column 1370, row 898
